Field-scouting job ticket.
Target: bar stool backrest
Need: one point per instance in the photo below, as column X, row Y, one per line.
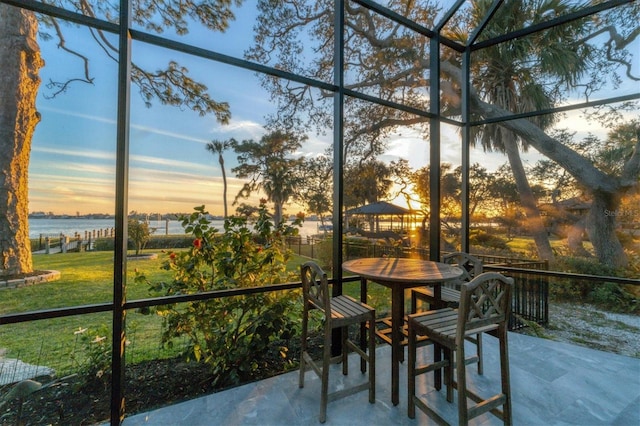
column 485, row 305
column 471, row 265
column 315, row 288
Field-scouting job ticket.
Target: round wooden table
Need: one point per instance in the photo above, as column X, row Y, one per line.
column 400, row 274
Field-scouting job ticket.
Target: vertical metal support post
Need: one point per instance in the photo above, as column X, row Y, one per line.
column 338, row 144
column 120, row 250
column 338, row 157
column 434, row 151
column 434, row 174
column 466, row 143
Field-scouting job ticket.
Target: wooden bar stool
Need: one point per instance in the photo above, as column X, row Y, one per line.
column 339, row 312
column 471, row 266
column 450, row 293
column 485, row 305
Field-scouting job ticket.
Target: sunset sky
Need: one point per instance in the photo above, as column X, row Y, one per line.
column 72, row 167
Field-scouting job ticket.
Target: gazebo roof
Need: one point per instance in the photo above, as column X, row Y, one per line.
column 380, row 208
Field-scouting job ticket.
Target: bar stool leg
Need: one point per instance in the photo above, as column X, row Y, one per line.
column 505, row 377
column 479, row 353
column 303, row 348
column 326, row 361
column 411, row 369
column 372, row 360
column 448, row 373
column 345, row 350
column 461, row 372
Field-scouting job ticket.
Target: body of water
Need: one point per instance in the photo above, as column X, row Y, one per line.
column 71, row 226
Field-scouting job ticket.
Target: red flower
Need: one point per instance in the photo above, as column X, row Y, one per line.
column 197, row 243
column 172, row 256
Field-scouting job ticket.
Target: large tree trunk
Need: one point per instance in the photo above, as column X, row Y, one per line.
column 277, row 212
column 582, row 168
column 601, row 228
column 575, row 238
column 534, row 220
column 20, row 63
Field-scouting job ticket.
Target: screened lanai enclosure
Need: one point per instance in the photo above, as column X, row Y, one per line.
column 178, row 145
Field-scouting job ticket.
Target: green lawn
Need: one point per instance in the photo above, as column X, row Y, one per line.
column 85, row 278
column 526, row 247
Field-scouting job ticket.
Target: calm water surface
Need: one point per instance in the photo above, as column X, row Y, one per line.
column 70, row 227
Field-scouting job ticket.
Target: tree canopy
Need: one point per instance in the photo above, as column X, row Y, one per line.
column 392, row 62
column 269, row 167
column 171, row 85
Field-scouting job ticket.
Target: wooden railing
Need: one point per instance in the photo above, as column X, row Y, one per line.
column 61, row 243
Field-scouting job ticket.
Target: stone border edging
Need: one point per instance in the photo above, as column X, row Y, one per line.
column 46, row 276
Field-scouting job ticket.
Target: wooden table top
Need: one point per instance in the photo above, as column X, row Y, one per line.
column 413, row 272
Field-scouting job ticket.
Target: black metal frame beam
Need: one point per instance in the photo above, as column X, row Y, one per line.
column 126, row 35
column 58, row 12
column 396, row 17
column 434, row 150
column 561, row 20
column 118, row 331
column 137, row 35
column 466, row 147
column 448, row 15
column 47, row 314
column 566, row 108
column 485, row 21
column 338, row 158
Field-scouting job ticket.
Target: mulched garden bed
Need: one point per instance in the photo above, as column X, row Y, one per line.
column 148, row 385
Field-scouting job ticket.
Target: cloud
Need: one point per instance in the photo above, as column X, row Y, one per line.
column 163, row 163
column 240, row 129
column 134, row 126
column 78, row 115
column 93, row 154
column 166, row 162
column 160, row 132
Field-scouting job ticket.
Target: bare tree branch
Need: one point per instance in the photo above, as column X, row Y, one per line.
column 61, row 87
column 616, row 42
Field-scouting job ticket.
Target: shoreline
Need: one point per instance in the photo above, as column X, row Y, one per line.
column 71, row 227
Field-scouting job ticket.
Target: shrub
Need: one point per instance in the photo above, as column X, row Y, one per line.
column 92, row 355
column 324, row 252
column 139, row 233
column 232, row 333
column 605, row 294
column 155, row 242
column 484, row 239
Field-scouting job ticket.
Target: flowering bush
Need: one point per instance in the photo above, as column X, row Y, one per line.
column 230, row 333
column 94, row 357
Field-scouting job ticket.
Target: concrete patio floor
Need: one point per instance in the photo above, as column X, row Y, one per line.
column 552, row 384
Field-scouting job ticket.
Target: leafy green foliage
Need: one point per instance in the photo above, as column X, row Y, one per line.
column 230, row 333
column 324, row 252
column 485, row 239
column 269, row 167
column 601, row 293
column 155, row 242
column 139, row 233
column 92, row 353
